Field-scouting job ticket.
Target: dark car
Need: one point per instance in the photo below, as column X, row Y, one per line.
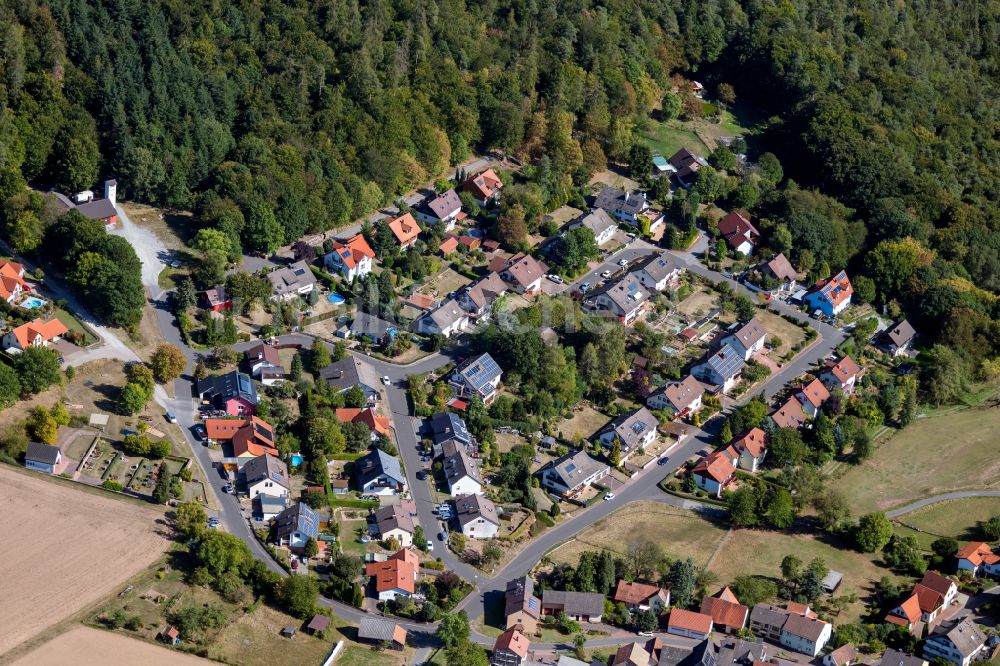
column 663, row 461
column 442, row 536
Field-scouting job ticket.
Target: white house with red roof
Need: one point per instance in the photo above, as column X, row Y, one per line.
column 484, row 187
column 812, row 396
column 35, row 333
column 715, row 472
column 751, row 448
column 832, row 296
column 689, row 624
column 978, row 558
column 405, row 229
column 352, row 259
column 739, row 233
column 12, row 283
column 841, row 374
column 789, row 415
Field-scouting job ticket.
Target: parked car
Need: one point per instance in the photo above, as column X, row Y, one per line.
column 585, row 287
column 430, row 546
column 663, row 461
column 386, row 380
column 555, row 278
column 623, row 262
column 609, row 497
column 441, row 537
column 606, row 274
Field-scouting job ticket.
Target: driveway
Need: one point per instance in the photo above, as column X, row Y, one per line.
column 153, row 254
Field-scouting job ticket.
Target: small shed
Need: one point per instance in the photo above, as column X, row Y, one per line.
column 339, row 486
column 288, row 631
column 170, row 636
column 318, row 624
column 832, row 581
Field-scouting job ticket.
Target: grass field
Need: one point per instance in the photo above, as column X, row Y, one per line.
column 255, row 639
column 669, row 137
column 789, row 333
column 930, row 456
column 111, row 540
column 679, row 532
column 958, row 519
column 584, row 423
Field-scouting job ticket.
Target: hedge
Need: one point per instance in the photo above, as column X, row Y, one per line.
column 345, row 456
column 353, row 503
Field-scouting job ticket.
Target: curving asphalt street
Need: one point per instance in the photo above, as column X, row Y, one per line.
column 642, row 487
column 944, row 497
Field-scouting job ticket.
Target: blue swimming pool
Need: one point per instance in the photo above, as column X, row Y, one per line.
column 32, row 303
column 335, row 298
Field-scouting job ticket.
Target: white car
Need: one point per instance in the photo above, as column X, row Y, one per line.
column 623, row 262
column 609, row 497
column 555, row 278
column 430, row 546
column 386, row 380
column 606, row 274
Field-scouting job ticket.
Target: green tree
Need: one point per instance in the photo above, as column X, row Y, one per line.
column 781, row 510
column 167, row 362
column 640, row 161
column 297, row 595
column 671, row 106
column 10, row 386
column 453, row 629
column 872, row 532
column 190, row 520
column 744, row 506
column 262, row 233
column 512, row 229
column 319, row 356
column 682, row 577
column 466, row 653
column 161, row 492
column 354, row 397
column 991, row 528
column 185, row 296
column 37, row 369
column 295, row 371
column 133, row 398
column 753, row 590
column 41, row 425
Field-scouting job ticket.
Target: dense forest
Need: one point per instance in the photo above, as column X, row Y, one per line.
column 270, row 118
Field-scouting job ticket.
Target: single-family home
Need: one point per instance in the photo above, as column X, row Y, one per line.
column 405, row 229
column 658, row 271
column 288, row 282
column 579, row 606
column 897, row 339
column 739, row 652
column 721, row 369
column 396, row 576
column 572, row 474
column 296, row 525
column 727, row 613
column 641, row 596
column 959, row 641
column 896, row 658
column 12, row 283
column 265, row 475
column 84, row 202
column 978, row 558
column 484, row 187
column 444, row 209
column 599, row 223
column 352, row 259
column 378, row 424
column 689, row 624
column 789, row 414
column 447, row 319
column 42, row 457
column 738, row 233
column 461, row 474
column 845, row 655
column 632, row 654
column 812, row 396
column 797, row 627
column 264, row 507
column 379, row 631
column 746, row 338
column 621, row 205
column 625, row 299
column 925, row 603
column 714, row 472
column 477, row 376
column 832, row 296
column 448, row 427
column 477, row 299
column 678, row 399
column 780, row 269
column 374, row 329
column 250, row 437
column 523, row 273
column 36, row 333
column 349, row 372
column 477, row 516
column 521, row 607
column 234, row 393
column 634, row 430
column 685, row 165
column 264, row 364
column 378, row 473
column 510, row 649
column 907, row 615
column 217, row 299
column 751, row 448
column 841, row 374
column 392, row 522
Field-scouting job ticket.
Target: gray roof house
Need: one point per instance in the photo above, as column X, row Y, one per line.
column 580, row 606
column 621, row 205
column 658, row 271
column 349, row 372
column 898, row 338
column 379, row 473
column 448, row 427
column 624, row 298
column 959, row 641
column 747, row 338
column 266, row 475
column 42, row 457
column 477, row 376
column 478, row 298
column 462, row 475
column 393, row 521
column 374, row 328
column 599, row 222
column 221, row 390
column 444, row 207
column 295, row 525
column 447, row 319
column 635, row 430
column 896, row 658
column 477, row 516
column 295, row 279
column 721, row 368
column 573, row 473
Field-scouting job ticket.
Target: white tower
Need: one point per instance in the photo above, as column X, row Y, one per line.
column 111, row 191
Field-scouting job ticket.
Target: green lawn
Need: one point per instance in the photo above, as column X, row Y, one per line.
column 74, row 325
column 958, row 451
column 958, row 519
column 667, row 138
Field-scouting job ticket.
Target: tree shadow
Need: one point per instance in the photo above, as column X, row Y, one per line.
column 110, row 394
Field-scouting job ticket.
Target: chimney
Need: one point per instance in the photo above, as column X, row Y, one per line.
column 111, row 191
column 626, row 197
